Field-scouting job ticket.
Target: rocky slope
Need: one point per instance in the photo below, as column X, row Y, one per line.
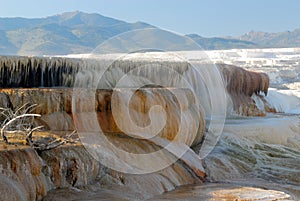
column 27, row 175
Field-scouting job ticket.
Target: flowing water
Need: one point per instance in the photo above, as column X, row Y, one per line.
column 254, row 157
column 261, row 152
column 252, row 153
column 249, row 155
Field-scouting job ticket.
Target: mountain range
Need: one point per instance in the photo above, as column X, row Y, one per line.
column 78, row 32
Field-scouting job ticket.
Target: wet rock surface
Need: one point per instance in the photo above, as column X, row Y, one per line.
column 29, row 176
column 33, row 72
column 228, row 192
column 70, row 172
column 242, row 85
column 55, row 106
column 21, row 169
column 26, row 72
column 204, row 192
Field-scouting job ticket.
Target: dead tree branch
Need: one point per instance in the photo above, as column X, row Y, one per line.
column 13, row 120
column 22, row 121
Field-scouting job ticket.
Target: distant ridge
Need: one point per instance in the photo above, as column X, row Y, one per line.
column 67, row 33
column 216, row 43
column 273, row 40
column 78, row 32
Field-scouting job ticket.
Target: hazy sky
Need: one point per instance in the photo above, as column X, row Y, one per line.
column 205, row 17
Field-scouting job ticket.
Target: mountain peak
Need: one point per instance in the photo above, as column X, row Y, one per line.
column 273, row 40
column 69, row 32
column 78, row 18
column 79, row 32
column 69, row 14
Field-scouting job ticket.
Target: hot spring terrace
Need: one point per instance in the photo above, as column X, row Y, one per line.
column 53, row 83
column 57, row 84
